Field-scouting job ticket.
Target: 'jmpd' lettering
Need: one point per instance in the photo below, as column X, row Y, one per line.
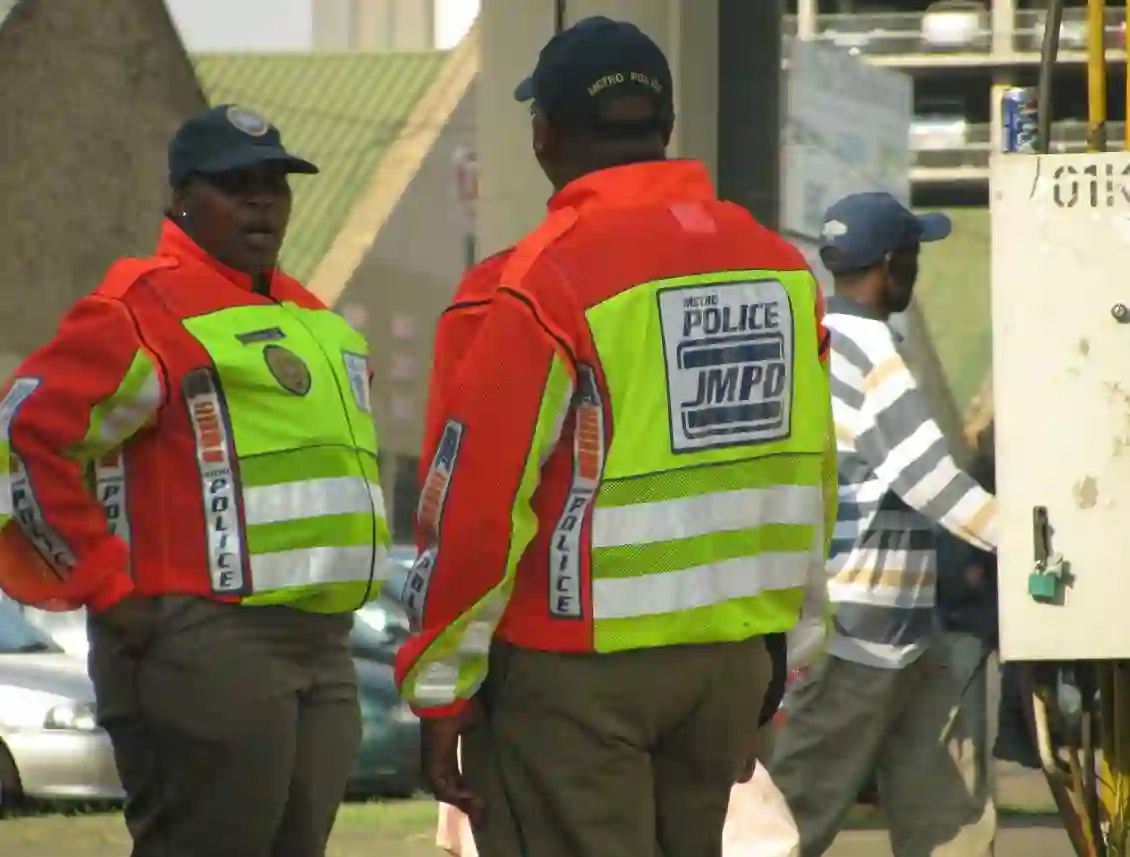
column 713, row 320
column 720, row 385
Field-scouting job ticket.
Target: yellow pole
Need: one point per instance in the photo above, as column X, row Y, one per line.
column 1096, row 76
column 1113, row 676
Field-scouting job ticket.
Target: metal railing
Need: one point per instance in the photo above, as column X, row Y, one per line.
column 955, row 31
column 1029, row 32
column 968, row 145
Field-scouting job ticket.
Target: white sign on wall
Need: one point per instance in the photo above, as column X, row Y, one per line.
column 847, row 130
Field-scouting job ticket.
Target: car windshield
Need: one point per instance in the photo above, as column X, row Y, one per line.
column 18, row 636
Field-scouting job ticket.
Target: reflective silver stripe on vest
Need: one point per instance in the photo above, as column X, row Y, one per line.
column 718, row 512
column 700, row 517
column 296, row 501
column 18, row 393
column 701, row 586
column 320, row 565
column 438, row 683
column 29, row 515
column 122, row 421
column 215, row 458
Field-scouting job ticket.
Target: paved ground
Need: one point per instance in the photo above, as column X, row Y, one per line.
column 1035, row 837
column 407, row 829
column 1028, row 827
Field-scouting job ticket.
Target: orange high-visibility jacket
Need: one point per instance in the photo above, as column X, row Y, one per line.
column 455, row 331
column 604, row 234
column 133, row 326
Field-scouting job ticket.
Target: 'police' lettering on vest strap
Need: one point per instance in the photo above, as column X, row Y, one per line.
column 110, row 487
column 215, row 458
column 729, row 354
column 565, row 562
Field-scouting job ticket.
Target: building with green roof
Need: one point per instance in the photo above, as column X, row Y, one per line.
column 341, row 110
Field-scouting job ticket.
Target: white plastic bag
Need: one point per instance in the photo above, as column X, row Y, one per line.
column 758, row 824
column 454, row 833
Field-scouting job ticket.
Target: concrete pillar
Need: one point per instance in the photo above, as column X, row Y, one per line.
column 1001, row 82
column 1004, row 25
column 747, row 68
column 512, row 190
column 806, row 14
column 331, row 25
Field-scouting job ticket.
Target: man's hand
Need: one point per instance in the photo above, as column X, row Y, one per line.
column 750, row 759
column 133, row 621
column 439, row 757
column 776, row 646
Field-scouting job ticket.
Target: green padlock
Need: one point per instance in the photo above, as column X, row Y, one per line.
column 1044, row 582
column 1043, row 586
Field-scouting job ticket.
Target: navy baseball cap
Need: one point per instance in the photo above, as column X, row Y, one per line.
column 225, row 138
column 593, row 63
column 861, row 229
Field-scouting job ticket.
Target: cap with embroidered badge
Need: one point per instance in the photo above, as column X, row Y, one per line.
column 593, row 63
column 225, row 138
column 862, row 228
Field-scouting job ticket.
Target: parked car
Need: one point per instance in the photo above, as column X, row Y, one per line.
column 67, row 630
column 389, row 759
column 383, row 624
column 51, row 747
column 388, row 762
column 379, row 629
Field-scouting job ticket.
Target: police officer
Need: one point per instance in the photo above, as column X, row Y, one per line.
column 628, row 488
column 194, row 462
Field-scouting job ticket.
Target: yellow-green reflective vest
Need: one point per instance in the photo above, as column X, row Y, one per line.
column 289, row 404
column 709, row 513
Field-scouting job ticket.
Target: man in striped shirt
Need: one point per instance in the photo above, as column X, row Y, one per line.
column 886, row 699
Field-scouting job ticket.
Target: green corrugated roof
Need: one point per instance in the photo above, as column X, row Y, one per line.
column 953, row 295
column 341, row 111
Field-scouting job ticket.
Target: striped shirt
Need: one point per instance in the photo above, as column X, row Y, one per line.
column 897, row 478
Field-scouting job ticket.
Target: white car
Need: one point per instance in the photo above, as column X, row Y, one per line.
column 385, row 617
column 51, row 747
column 68, row 630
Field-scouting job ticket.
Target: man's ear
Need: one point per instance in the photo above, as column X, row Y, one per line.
column 884, row 266
column 178, row 203
column 542, row 133
column 183, row 196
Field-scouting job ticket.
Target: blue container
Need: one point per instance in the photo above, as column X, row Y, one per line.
column 1020, row 115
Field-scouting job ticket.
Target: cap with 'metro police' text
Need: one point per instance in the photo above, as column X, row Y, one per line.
column 597, row 61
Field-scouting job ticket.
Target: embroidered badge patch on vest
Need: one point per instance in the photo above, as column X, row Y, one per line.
column 288, row 369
